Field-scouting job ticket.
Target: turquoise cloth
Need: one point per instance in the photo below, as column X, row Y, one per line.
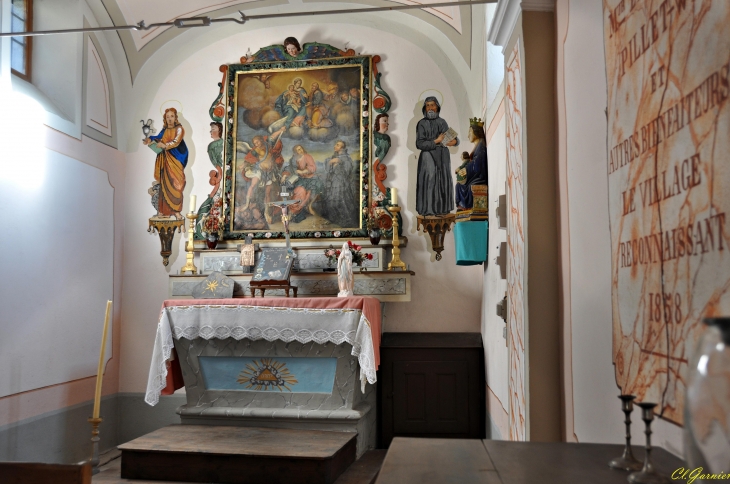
column 471, row 242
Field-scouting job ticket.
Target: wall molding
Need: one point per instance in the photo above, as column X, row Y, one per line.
column 506, row 15
column 503, row 24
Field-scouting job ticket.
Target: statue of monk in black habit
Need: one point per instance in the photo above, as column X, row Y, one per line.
column 434, row 185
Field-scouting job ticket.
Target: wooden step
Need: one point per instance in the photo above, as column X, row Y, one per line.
column 232, row 455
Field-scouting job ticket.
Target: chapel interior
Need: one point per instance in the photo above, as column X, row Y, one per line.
column 483, row 319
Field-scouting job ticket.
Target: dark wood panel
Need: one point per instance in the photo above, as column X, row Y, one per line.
column 431, row 397
column 201, row 453
column 36, row 473
column 443, row 461
column 364, row 470
column 560, row 462
column 431, row 340
column 447, row 383
column 236, row 468
column 253, row 441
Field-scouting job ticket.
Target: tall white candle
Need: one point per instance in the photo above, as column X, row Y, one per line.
column 100, row 369
column 193, row 199
column 394, row 196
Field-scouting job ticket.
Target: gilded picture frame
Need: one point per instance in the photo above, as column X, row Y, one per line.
column 299, row 127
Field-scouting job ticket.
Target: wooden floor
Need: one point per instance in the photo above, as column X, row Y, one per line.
column 363, row 471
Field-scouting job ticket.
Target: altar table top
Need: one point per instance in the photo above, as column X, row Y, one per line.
column 354, row 320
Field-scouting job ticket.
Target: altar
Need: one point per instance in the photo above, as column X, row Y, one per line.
column 300, row 363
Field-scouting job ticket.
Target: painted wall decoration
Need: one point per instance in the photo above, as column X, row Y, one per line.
column 295, row 375
column 669, row 178
column 516, row 247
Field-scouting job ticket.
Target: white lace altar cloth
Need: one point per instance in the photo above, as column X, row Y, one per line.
column 354, row 320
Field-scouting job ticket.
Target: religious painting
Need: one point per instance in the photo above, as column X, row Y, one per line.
column 299, row 132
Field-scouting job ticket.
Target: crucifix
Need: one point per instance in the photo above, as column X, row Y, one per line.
column 284, row 206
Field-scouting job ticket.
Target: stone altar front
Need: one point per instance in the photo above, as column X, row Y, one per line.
column 274, row 362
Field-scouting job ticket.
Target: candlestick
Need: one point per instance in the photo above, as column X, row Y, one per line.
column 190, row 246
column 627, row 461
column 94, row 461
column 100, row 368
column 395, row 262
column 647, row 475
column 193, row 199
column 394, row 196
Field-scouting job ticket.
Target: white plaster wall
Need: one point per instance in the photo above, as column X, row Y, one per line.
column 57, row 280
column 57, row 58
column 597, row 415
column 496, row 352
column 495, row 286
column 444, row 297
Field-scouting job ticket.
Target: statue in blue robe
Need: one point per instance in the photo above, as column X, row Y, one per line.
column 474, row 172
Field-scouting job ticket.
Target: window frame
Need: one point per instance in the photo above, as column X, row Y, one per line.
column 28, row 51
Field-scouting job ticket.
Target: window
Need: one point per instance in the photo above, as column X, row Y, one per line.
column 21, row 47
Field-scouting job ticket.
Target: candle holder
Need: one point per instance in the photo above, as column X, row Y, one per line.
column 627, row 461
column 190, row 247
column 647, row 474
column 94, row 461
column 395, row 262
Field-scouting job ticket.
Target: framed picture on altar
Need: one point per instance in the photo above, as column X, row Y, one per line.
column 299, row 129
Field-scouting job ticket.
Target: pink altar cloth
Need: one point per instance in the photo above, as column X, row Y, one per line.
column 365, row 309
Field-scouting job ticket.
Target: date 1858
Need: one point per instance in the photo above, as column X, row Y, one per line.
column 665, row 307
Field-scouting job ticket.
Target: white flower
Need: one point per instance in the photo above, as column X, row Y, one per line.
column 250, row 235
column 365, row 114
column 317, row 234
column 365, row 102
column 380, row 197
column 336, row 234
column 267, row 235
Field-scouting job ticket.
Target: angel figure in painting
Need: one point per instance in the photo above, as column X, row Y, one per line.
column 172, row 157
column 345, row 277
column 261, row 168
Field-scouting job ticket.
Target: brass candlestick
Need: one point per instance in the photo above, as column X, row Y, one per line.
column 627, row 461
column 190, row 247
column 647, row 475
column 395, row 262
column 95, row 444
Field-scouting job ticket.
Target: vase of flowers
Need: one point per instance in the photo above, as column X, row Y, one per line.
column 213, row 224
column 358, row 257
column 374, row 224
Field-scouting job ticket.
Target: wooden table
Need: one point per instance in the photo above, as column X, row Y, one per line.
column 417, row 461
column 273, row 287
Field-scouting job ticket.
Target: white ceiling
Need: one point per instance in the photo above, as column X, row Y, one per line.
column 152, row 12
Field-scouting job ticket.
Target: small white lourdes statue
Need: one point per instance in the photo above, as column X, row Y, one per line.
column 345, row 278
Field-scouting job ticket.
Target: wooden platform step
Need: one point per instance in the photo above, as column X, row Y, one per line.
column 233, row 455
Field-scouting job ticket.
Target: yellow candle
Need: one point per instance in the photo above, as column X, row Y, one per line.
column 394, row 196
column 193, row 199
column 100, row 370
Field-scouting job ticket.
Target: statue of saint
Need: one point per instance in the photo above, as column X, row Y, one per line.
column 474, row 169
column 434, row 185
column 172, row 157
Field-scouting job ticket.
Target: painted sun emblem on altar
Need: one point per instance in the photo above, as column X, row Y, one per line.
column 266, row 374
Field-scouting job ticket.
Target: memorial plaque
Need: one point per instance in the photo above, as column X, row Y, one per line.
column 668, row 181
